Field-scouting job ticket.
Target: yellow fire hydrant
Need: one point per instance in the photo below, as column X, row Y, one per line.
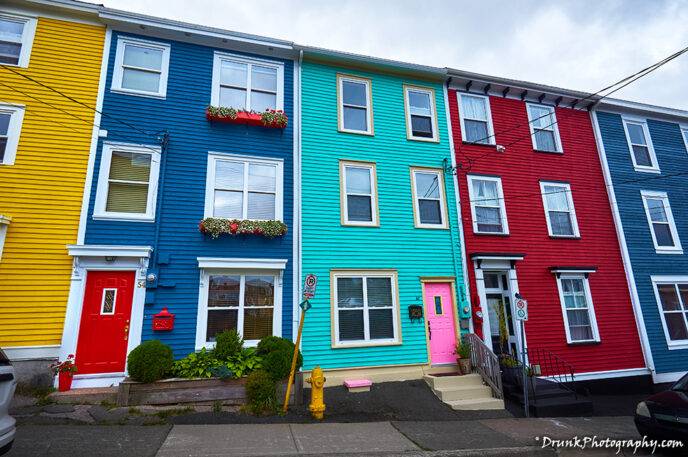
column 317, row 382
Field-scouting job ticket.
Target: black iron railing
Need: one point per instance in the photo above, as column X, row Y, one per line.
column 486, row 363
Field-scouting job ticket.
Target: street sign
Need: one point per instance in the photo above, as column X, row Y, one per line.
column 521, row 310
column 309, row 286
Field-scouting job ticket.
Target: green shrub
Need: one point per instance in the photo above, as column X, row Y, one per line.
column 278, row 364
column 261, row 392
column 228, row 344
column 196, row 365
column 275, row 343
column 150, row 361
column 244, row 362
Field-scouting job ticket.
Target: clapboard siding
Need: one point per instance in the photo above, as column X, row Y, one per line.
column 182, row 114
column 673, row 163
column 521, row 169
column 42, row 191
column 395, row 244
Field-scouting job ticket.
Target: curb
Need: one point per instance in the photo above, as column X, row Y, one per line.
column 527, row 451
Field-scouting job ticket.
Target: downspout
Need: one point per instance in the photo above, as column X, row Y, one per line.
column 163, row 139
column 298, row 270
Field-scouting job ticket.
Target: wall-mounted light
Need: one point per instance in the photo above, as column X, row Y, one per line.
column 110, row 258
column 151, row 277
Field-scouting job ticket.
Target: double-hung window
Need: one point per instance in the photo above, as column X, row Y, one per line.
column 661, row 221
column 141, row 67
column 247, row 84
column 543, row 128
column 16, row 39
column 476, row 119
column 559, row 210
column 127, row 182
column 11, row 117
column 365, row 308
column 354, row 104
column 487, row 205
column 358, row 182
column 421, row 117
column 640, row 146
column 672, row 298
column 579, row 314
column 239, row 187
column 429, row 206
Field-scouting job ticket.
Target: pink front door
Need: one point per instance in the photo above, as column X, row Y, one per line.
column 439, row 313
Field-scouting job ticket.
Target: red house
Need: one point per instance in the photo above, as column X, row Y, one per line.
column 538, row 226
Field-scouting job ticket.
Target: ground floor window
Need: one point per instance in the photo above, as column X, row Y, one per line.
column 577, row 307
column 365, row 308
column 672, row 298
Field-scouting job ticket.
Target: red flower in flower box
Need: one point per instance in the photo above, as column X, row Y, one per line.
column 232, row 116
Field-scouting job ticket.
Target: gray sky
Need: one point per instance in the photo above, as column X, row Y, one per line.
column 582, row 44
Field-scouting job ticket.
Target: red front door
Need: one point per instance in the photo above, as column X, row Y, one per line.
column 105, row 316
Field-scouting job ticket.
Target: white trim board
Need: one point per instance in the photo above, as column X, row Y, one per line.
column 103, row 250
column 241, row 264
column 20, row 353
column 608, row 374
column 660, row 378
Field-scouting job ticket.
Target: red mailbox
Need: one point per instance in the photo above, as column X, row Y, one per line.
column 163, row 321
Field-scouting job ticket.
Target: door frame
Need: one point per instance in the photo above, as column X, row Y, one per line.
column 103, row 258
column 451, row 280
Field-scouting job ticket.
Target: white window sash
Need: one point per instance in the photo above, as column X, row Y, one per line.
column 442, row 198
column 16, row 113
column 368, row 106
column 27, row 38
column 433, row 113
column 654, row 167
column 684, row 134
column 103, row 189
column 672, row 281
column 554, row 127
column 566, row 189
column 590, row 309
column 488, row 121
column 475, row 204
column 676, row 248
column 119, row 67
column 372, row 175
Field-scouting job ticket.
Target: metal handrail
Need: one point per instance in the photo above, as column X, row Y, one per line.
column 486, row 363
column 552, row 367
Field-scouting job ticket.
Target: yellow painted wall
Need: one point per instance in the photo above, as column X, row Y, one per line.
column 42, row 191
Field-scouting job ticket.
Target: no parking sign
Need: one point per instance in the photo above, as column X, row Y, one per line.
column 521, row 310
column 309, row 286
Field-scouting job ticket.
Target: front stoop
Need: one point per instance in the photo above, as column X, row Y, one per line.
column 87, row 395
column 465, row 392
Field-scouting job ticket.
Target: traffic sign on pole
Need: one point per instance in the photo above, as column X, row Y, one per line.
column 521, row 310
column 309, row 286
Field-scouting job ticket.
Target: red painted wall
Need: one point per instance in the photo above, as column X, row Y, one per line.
column 521, row 169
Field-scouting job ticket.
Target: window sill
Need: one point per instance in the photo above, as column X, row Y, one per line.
column 364, row 344
column 107, row 217
column 431, row 227
column 490, row 234
column 564, row 237
column 484, row 145
column 422, row 139
column 548, row 152
column 677, row 346
column 583, row 343
column 648, row 170
column 138, row 94
column 356, row 132
column 669, row 251
column 349, row 224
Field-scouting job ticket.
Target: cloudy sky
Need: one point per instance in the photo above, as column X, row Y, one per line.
column 576, row 44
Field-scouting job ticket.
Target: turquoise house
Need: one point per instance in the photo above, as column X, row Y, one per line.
column 379, row 218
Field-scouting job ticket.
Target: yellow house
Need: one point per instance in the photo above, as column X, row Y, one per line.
column 50, row 67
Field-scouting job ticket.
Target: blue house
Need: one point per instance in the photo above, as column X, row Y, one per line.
column 644, row 151
column 189, row 202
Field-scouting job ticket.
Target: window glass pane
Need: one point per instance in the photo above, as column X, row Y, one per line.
column 379, row 292
column 355, row 119
column 642, row 156
column 257, row 323
column 350, row 292
column 220, row 320
column 260, row 291
column 261, row 101
column 235, row 98
column 545, row 141
column 683, row 290
column 233, row 74
column 4, row 123
column 561, row 223
column 578, row 317
column 3, row 146
column 223, row 290
column 261, row 177
column 351, row 325
column 668, row 297
column 430, row 212
column 663, row 235
column 676, row 326
column 491, row 280
column 541, row 117
column 636, row 133
column 381, row 322
column 419, row 103
column 229, row 175
column 474, row 107
column 685, row 135
column 142, row 57
column 261, row 206
column 228, row 204
column 476, row 131
column 488, row 219
column 108, row 306
column 9, row 53
column 145, row 81
column 438, row 305
column 354, row 93
column 427, row 185
column 264, row 78
column 421, row 126
column 11, row 30
column 130, row 166
column 485, row 193
column 557, row 199
column 358, row 180
column 359, row 208
column 127, row 198
column 656, row 208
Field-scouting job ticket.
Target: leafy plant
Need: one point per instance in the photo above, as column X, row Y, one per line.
column 278, row 364
column 150, row 361
column 463, row 350
column 215, row 227
column 68, row 366
column 275, row 343
column 261, row 392
column 196, row 365
column 508, row 361
column 274, row 117
column 244, row 362
column 228, row 344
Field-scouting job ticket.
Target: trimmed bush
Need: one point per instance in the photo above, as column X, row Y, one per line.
column 278, row 364
column 261, row 392
column 150, row 361
column 275, row 343
column 228, row 344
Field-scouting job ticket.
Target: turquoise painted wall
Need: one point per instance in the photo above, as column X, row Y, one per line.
column 396, row 243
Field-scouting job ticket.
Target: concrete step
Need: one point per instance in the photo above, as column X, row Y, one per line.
column 463, row 393
column 88, row 395
column 441, row 382
column 477, row 403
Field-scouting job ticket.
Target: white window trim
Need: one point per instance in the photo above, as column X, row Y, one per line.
column 443, row 198
column 231, row 266
column 392, row 275
column 4, row 226
column 684, row 135
column 99, row 211
column 213, row 157
column 433, row 113
column 119, row 61
column 591, row 309
column 340, row 103
column 502, row 203
column 555, row 127
column 28, row 34
column 217, row 70
column 16, row 113
column 344, row 201
column 654, row 168
column 572, row 208
column 658, row 280
column 677, row 248
column 490, row 128
column 114, row 302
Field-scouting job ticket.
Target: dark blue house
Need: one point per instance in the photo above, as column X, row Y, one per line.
column 644, row 151
column 188, row 210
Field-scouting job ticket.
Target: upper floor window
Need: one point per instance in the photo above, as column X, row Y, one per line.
column 559, row 210
column 244, row 188
column 672, row 298
column 247, row 84
column 11, row 117
column 487, row 205
column 429, row 206
column 127, row 182
column 358, row 193
column 579, row 314
column 640, row 146
column 476, row 120
column 355, row 108
column 421, row 117
column 16, row 39
column 543, row 128
column 4, row 225
column 141, row 67
column 661, row 220
column 684, row 132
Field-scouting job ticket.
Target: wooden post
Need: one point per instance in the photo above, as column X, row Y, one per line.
column 304, row 307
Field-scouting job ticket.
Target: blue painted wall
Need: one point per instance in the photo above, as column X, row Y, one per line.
column 181, row 207
column 672, row 158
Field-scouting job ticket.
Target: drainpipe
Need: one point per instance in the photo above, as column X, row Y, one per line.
column 163, row 139
column 298, row 269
